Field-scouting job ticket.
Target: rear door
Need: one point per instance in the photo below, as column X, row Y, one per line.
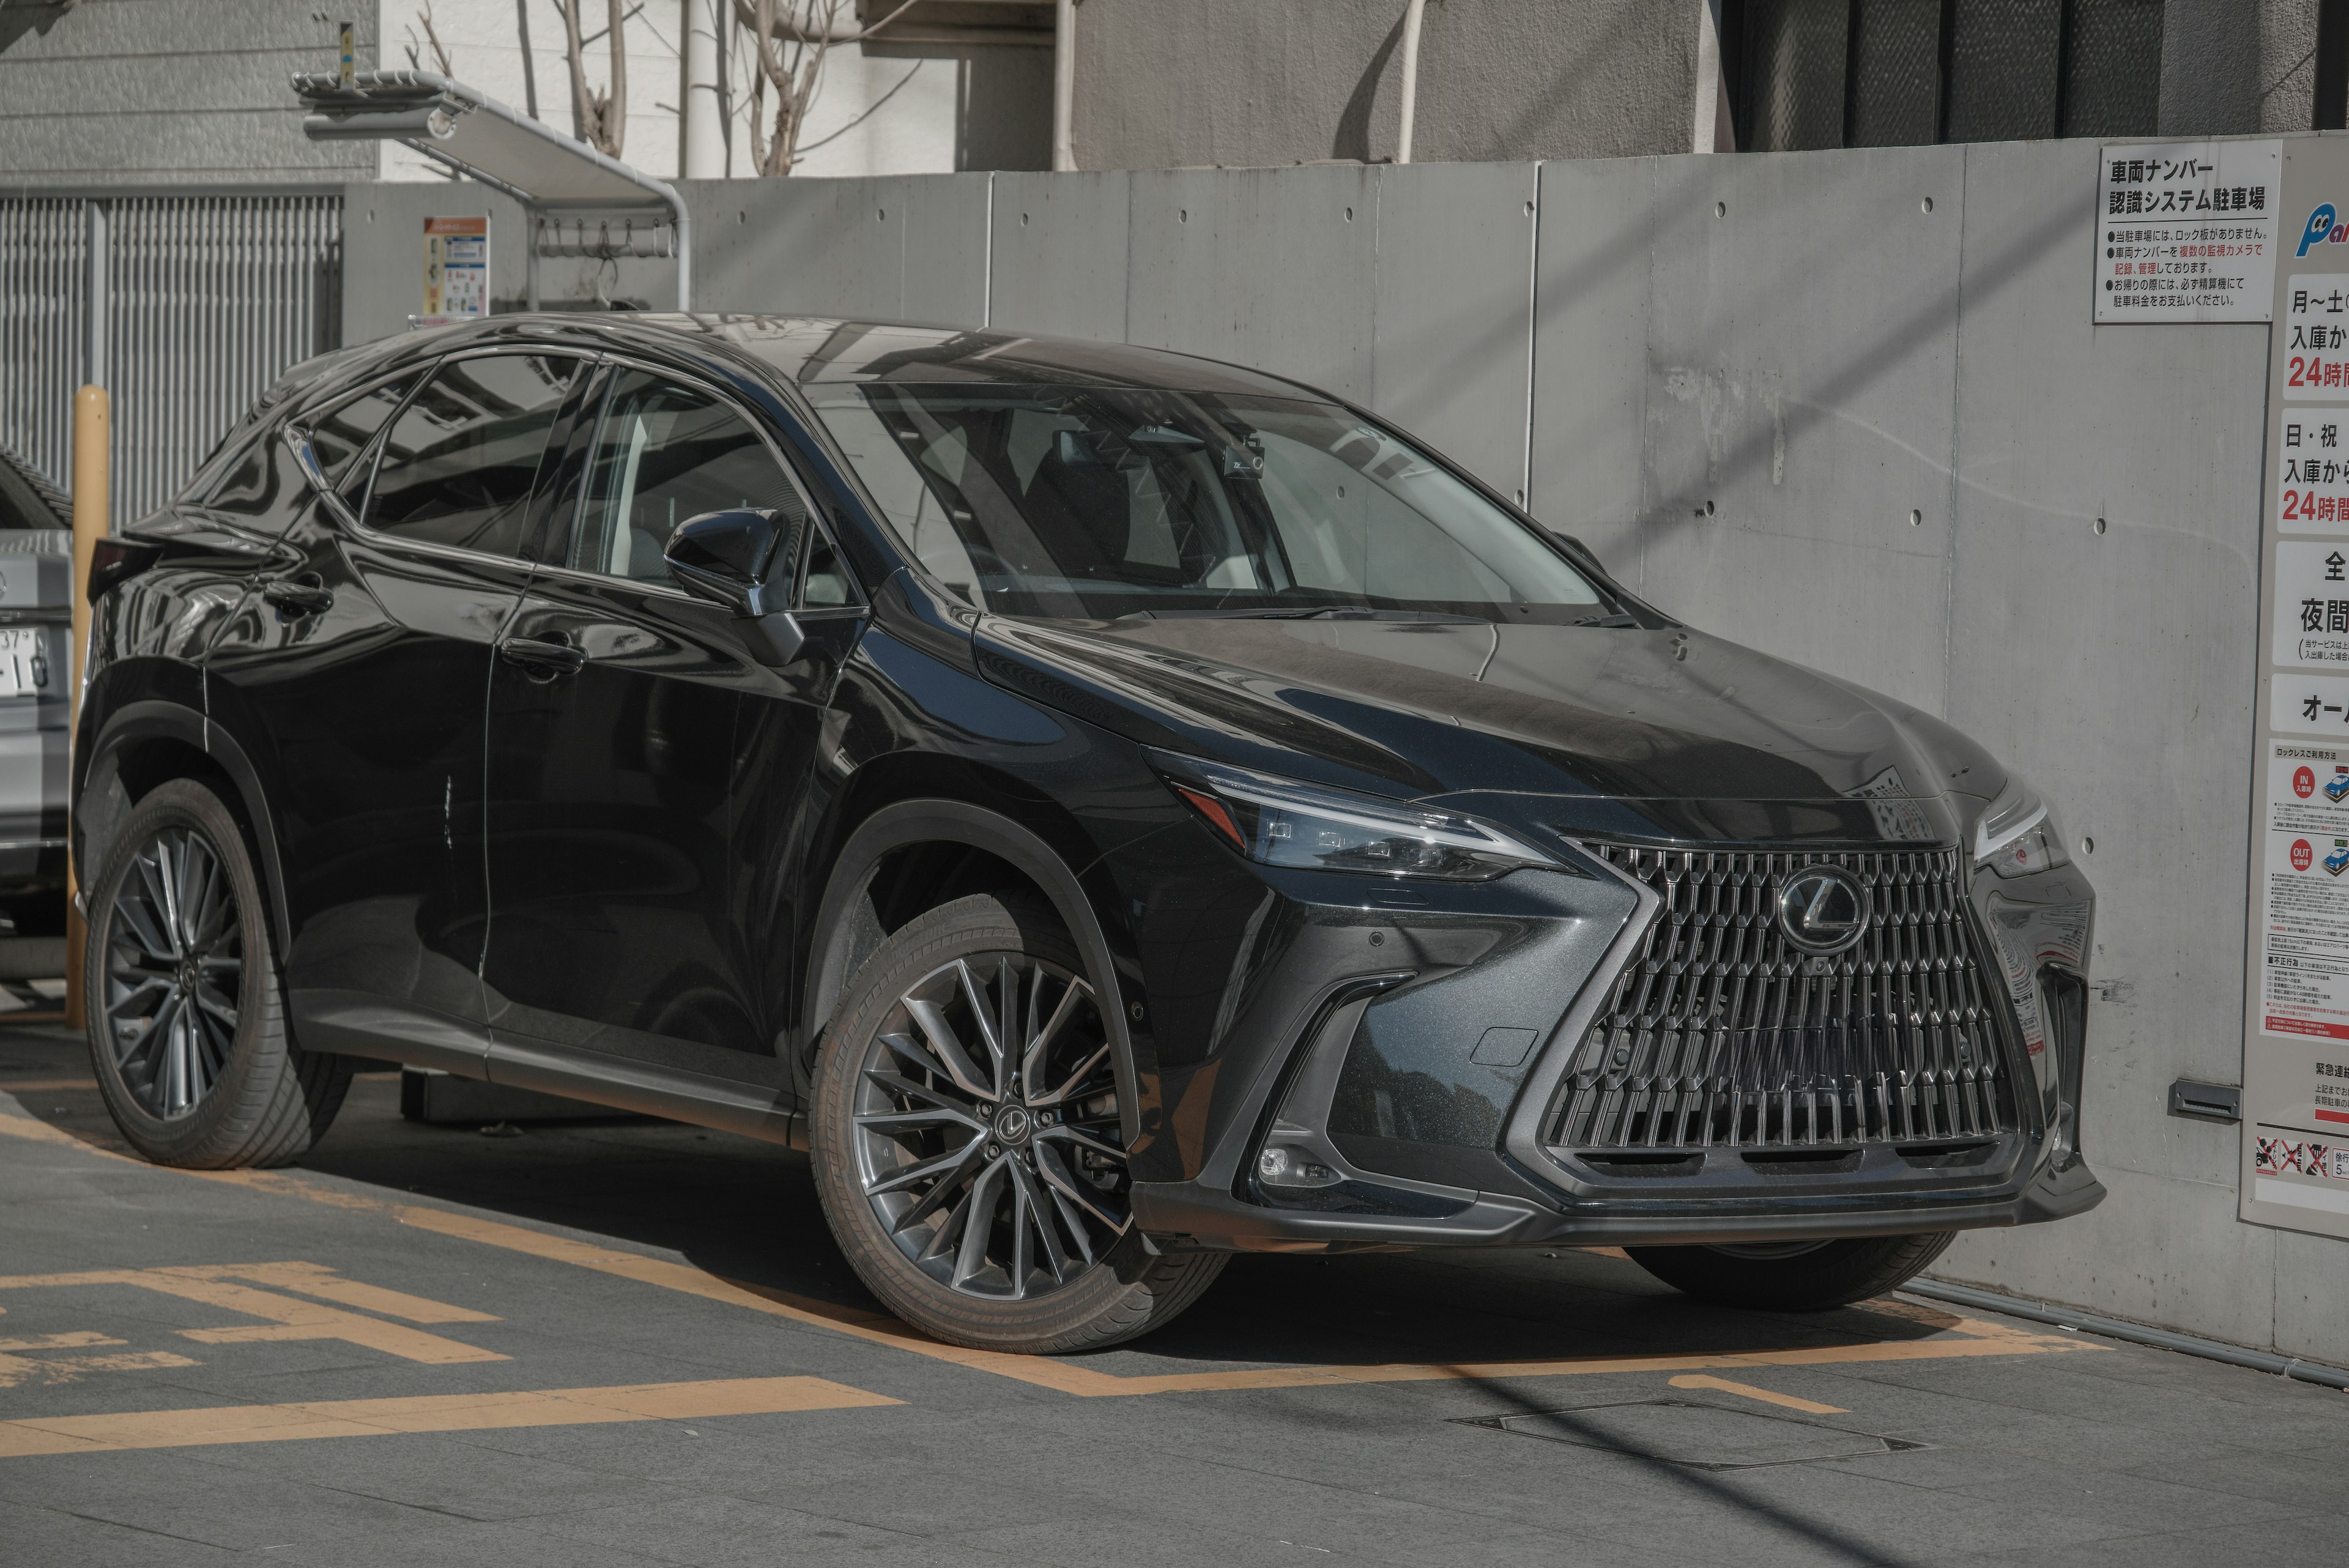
column 615, row 702
column 361, row 668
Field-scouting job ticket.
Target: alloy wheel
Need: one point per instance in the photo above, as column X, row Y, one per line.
column 987, row 1131
column 174, row 972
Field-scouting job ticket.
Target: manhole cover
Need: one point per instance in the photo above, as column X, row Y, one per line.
column 1681, row 1432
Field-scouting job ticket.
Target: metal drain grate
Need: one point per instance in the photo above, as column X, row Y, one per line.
column 1683, row 1432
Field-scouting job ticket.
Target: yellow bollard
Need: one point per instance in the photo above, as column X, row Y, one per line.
column 93, row 447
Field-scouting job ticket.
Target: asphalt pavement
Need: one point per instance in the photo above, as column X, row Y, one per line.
column 626, row 1342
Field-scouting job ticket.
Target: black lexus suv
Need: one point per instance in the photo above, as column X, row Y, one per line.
column 1111, row 809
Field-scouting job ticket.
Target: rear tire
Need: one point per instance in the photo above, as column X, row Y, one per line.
column 1057, row 1263
column 1795, row 1277
column 187, row 1027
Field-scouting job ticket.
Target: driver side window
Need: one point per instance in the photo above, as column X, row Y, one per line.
column 664, row 452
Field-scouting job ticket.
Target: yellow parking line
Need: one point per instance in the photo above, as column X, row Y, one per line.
column 1978, row 1337
column 285, row 1318
column 39, row 1131
column 43, row 1086
column 19, row 1369
column 1747, row 1391
column 429, row 1413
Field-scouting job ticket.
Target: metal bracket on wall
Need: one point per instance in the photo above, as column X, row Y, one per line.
column 2206, row 1102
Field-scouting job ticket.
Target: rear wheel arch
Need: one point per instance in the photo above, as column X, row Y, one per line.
column 148, row 743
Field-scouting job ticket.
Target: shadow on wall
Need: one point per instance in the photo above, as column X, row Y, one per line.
column 1353, row 137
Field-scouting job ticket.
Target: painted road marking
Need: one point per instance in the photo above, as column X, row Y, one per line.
column 286, row 1317
column 18, row 1370
column 1747, row 1391
column 1976, row 1338
column 429, row 1413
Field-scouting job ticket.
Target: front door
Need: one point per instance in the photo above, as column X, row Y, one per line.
column 615, row 701
column 360, row 666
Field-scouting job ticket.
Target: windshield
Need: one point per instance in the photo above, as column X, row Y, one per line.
column 1090, row 503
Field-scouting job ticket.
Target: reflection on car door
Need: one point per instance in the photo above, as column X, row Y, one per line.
column 613, row 712
column 361, row 667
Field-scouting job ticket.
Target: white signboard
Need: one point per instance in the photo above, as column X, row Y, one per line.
column 2295, row 1171
column 2188, row 231
column 456, row 270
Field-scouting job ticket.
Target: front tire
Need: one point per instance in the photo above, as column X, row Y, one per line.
column 967, row 1146
column 187, row 1029
column 1795, row 1276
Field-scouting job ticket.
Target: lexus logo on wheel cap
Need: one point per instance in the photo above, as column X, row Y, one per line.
column 1823, row 909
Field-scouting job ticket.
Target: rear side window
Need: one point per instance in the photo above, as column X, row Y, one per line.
column 341, row 434
column 459, row 462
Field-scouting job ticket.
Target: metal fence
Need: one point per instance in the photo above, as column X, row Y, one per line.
column 183, row 307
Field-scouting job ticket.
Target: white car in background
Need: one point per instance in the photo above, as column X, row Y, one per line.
column 35, row 632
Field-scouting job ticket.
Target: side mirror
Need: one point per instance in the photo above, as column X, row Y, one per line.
column 728, row 558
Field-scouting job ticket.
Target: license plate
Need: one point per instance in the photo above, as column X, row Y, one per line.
column 24, row 662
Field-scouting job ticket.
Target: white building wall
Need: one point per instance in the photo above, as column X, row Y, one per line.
column 880, row 109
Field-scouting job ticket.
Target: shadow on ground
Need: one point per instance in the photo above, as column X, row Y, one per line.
column 748, row 1211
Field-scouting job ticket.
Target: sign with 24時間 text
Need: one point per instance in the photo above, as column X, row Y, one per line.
column 2296, row 1149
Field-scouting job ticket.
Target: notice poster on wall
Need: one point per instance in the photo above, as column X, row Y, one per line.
column 2295, row 1153
column 2187, row 230
column 456, row 270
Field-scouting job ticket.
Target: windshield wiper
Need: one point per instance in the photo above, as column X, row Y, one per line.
column 1613, row 620
column 1317, row 612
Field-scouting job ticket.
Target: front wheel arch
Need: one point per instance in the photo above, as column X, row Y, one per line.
column 907, row 824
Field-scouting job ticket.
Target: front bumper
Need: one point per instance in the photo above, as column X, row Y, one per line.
column 1196, row 1214
column 1481, row 994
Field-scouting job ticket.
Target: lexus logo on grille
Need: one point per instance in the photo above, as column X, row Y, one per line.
column 1822, row 909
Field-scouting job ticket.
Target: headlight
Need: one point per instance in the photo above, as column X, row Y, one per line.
column 1278, row 822
column 2019, row 833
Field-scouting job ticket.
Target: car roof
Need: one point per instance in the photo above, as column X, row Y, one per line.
column 811, row 351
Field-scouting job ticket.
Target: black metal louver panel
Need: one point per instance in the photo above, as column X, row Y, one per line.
column 1722, row 1032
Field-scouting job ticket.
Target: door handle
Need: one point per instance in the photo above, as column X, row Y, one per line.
column 542, row 660
column 296, row 598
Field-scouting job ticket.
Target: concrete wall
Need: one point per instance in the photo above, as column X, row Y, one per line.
column 2238, row 66
column 1249, row 82
column 1246, row 82
column 158, row 91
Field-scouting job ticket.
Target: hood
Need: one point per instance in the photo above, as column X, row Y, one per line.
column 1693, row 735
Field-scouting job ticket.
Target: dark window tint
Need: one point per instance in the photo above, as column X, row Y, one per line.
column 666, row 453
column 339, row 436
column 1098, row 502
column 459, row 464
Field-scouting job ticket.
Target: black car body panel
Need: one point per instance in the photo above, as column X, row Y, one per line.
column 571, row 831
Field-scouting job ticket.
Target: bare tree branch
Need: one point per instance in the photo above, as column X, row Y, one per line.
column 600, row 115
column 789, row 40
column 433, row 38
column 616, row 97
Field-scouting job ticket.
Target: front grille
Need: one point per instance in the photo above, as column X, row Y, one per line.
column 1722, row 1032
